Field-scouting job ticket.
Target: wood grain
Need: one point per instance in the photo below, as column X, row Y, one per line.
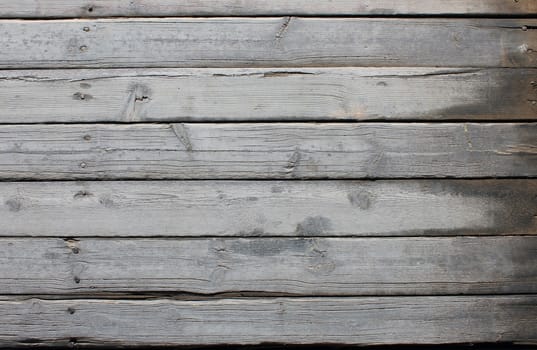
column 366, row 320
column 262, row 94
column 268, row 42
column 262, row 151
column 263, row 208
column 302, row 266
column 104, row 242
column 148, row 8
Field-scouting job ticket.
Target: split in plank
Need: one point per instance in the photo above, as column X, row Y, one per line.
column 172, row 8
column 133, row 95
column 263, row 151
column 269, row 208
column 268, row 42
column 358, row 320
column 297, row 266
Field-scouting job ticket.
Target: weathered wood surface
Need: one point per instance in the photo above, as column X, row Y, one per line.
column 272, row 42
column 330, row 259
column 365, row 320
column 301, row 266
column 129, row 95
column 269, row 208
column 148, row 8
column 275, row 150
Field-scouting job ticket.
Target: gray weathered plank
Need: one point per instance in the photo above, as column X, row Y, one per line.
column 269, row 208
column 358, row 320
column 275, row 150
column 126, row 95
column 272, row 42
column 148, row 8
column 299, row 266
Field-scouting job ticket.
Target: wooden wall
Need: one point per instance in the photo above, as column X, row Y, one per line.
column 248, row 171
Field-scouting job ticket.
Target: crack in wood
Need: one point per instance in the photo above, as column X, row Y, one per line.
column 293, row 162
column 138, row 94
column 283, row 29
column 467, row 137
column 425, row 75
column 182, row 134
column 519, row 149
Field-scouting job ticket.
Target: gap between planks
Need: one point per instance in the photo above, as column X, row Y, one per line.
column 150, row 296
column 151, row 8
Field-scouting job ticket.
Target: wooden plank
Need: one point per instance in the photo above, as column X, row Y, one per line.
column 268, row 42
column 261, row 151
column 127, row 95
column 262, row 208
column 298, row 266
column 148, row 8
column 366, row 320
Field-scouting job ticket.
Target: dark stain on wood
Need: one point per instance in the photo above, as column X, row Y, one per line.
column 14, row 204
column 269, row 247
column 360, row 199
column 518, row 203
column 504, row 91
column 312, row 226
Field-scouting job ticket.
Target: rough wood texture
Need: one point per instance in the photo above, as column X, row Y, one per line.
column 303, row 266
column 257, row 151
column 366, row 320
column 130, row 95
column 263, row 208
column 240, row 253
column 148, row 8
column 273, row 42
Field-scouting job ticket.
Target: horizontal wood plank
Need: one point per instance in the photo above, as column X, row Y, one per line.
column 262, row 151
column 269, row 208
column 366, row 320
column 301, row 266
column 148, row 8
column 268, row 42
column 129, row 95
